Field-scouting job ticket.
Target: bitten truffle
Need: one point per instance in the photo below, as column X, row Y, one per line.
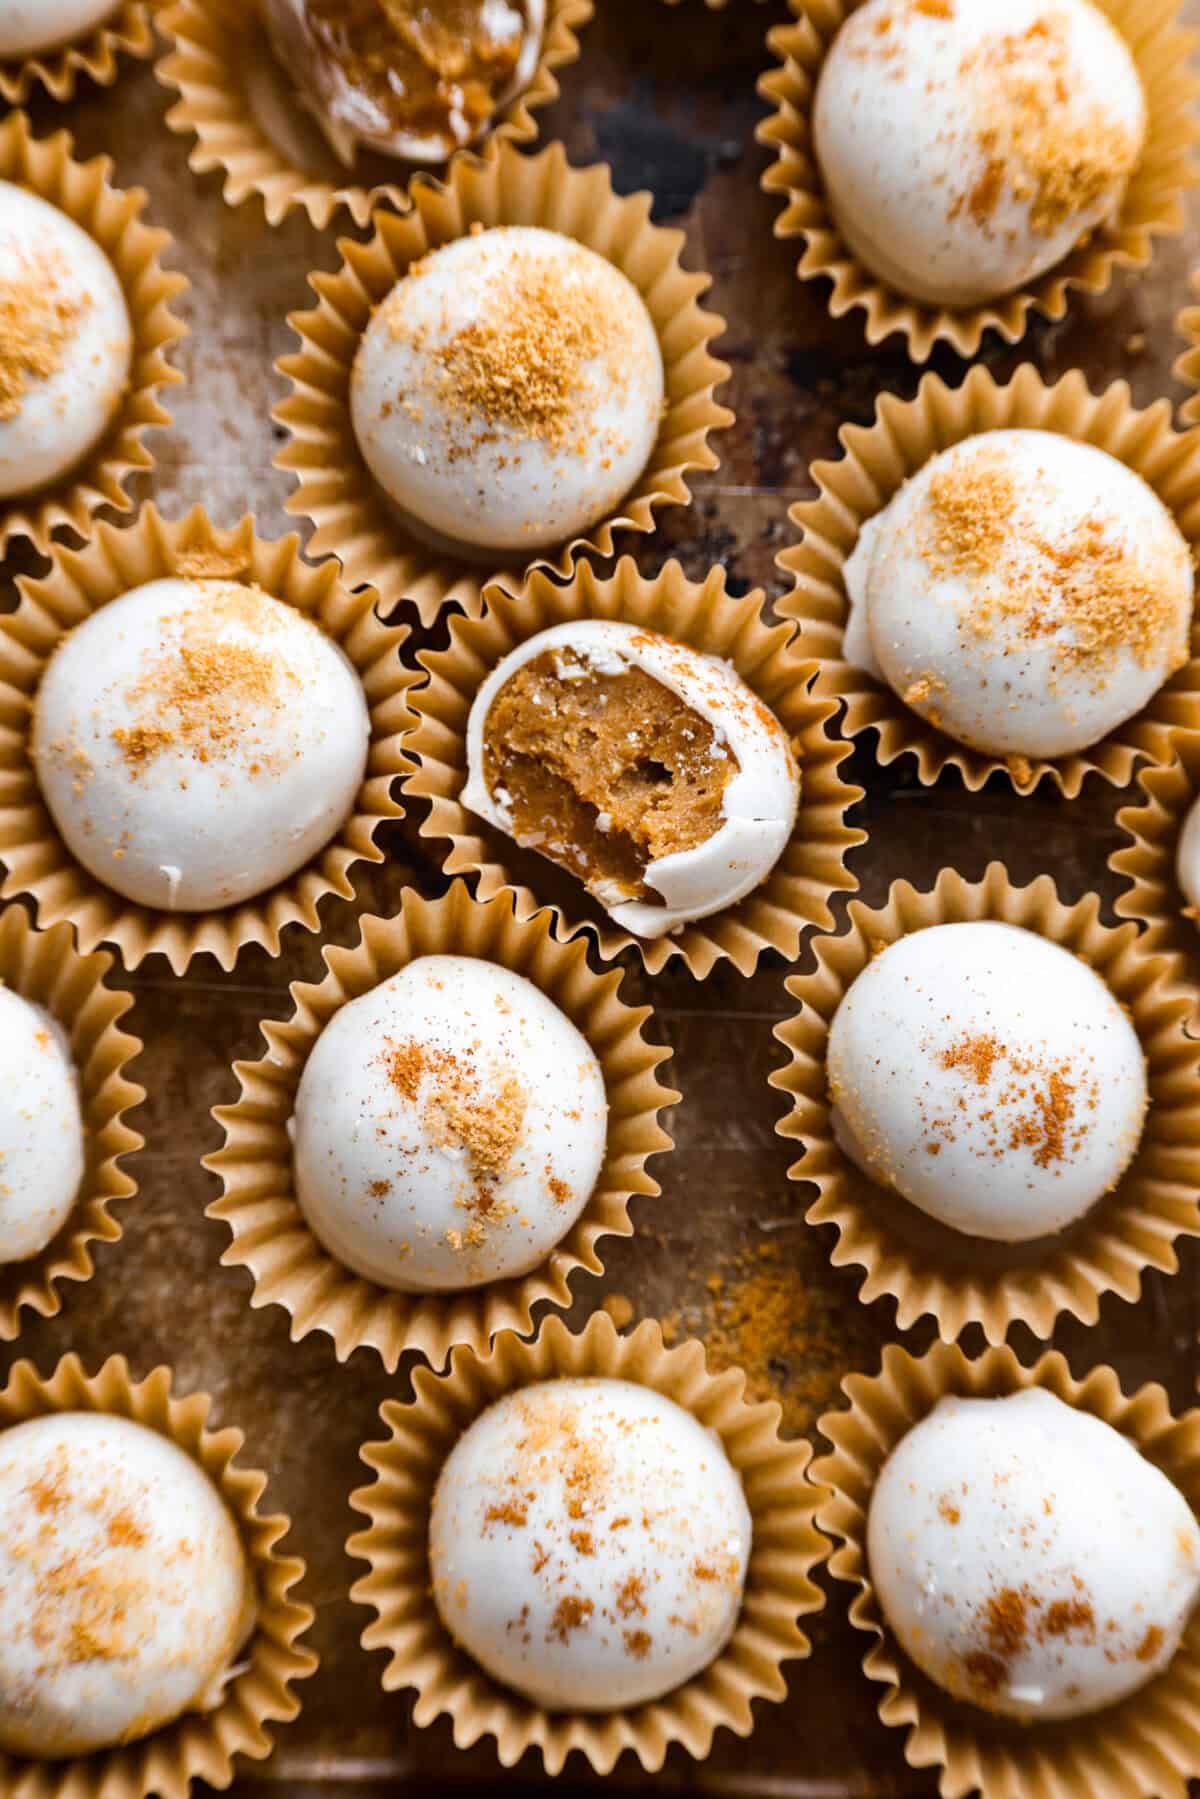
column 41, row 1129
column 588, row 1544
column 1024, row 593
column 450, row 1127
column 402, row 77
column 1028, row 1558
column 507, row 393
column 648, row 770
column 197, row 741
column 967, row 146
column 124, row 1589
column 66, row 343
column 989, row 1076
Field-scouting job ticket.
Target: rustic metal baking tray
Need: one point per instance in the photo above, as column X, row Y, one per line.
column 667, row 96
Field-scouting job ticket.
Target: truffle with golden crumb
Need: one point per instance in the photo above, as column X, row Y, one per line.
column 588, row 1544
column 197, row 742
column 1023, row 592
column 989, row 1076
column 125, row 1593
column 1029, row 1558
column 508, row 392
column 450, row 1127
column 968, row 146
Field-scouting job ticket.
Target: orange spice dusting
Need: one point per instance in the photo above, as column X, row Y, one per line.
column 482, row 1112
column 37, row 321
column 509, row 1511
column 781, row 1315
column 987, row 1671
column 947, row 1509
column 1030, row 124
column 571, row 1613
column 1150, row 1644
column 638, row 1643
column 1007, row 1621
column 1065, row 1615
column 631, row 1597
column 976, row 1055
column 582, row 1542
column 208, row 692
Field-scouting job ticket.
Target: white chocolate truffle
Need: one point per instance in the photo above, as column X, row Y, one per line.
column 1187, row 859
column 588, row 1544
column 968, row 147
column 1028, row 1558
column 198, row 741
column 989, row 1076
column 41, row 1129
column 649, row 770
column 66, row 347
column 450, row 1127
column 124, row 1589
column 30, row 26
column 508, row 392
column 1023, row 592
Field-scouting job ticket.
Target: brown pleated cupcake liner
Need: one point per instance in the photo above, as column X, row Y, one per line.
column 232, row 90
column 1187, row 367
column 927, row 1267
column 271, row 1237
column 797, row 892
column 198, row 1746
column 96, row 57
column 1149, row 1744
column 1152, row 826
column 877, row 459
column 37, row 861
column 84, row 192
column 44, row 968
column 1152, row 206
column 335, row 491
column 779, row 1590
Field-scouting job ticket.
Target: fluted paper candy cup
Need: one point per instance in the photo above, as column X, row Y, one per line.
column 45, row 968
column 271, row 1236
column 1152, row 205
column 96, row 56
column 797, row 892
column 84, row 191
column 877, row 459
column 1150, row 1744
column 250, row 125
column 779, row 1589
column 36, row 859
column 335, row 491
column 198, row 1746
column 929, row 1268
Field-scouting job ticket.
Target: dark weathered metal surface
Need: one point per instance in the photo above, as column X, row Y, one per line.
column 668, row 97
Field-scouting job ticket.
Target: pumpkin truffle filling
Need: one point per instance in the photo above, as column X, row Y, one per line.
column 604, row 773
column 430, row 70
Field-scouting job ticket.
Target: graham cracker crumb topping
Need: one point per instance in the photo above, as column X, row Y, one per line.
column 37, row 321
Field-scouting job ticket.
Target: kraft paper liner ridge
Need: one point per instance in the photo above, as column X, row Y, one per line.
column 84, row 191
column 812, row 869
column 271, row 1238
column 198, row 1746
column 875, row 462
column 45, row 968
column 334, row 489
column 779, row 1589
column 1152, row 206
column 38, row 863
column 1149, row 1744
column 96, row 57
column 1151, row 824
column 928, row 1268
column 213, row 43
